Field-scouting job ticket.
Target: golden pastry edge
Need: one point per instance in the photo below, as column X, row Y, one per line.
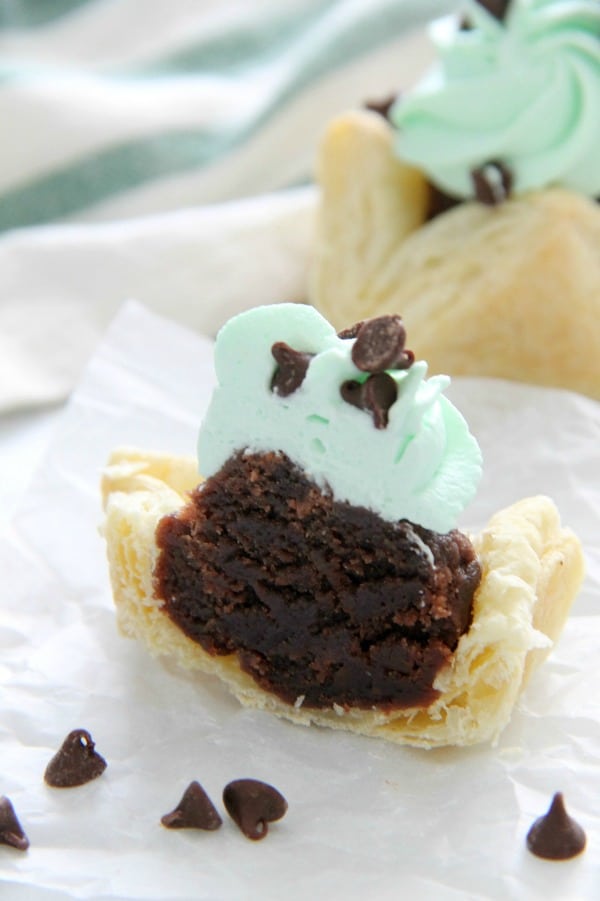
column 532, row 569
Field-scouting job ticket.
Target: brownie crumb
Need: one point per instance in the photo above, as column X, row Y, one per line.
column 382, row 105
column 319, row 599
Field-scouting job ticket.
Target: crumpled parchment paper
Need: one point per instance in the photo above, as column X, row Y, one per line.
column 366, row 819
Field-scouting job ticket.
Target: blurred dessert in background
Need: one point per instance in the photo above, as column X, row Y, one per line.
column 469, row 204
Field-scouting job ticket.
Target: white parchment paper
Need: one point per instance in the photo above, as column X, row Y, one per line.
column 366, row 819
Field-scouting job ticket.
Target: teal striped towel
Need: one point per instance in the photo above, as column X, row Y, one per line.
column 119, row 108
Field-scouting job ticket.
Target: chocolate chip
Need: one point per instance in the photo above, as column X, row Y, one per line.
column 194, row 811
column 76, row 763
column 11, row 831
column 376, row 394
column 382, row 106
column 556, row 836
column 380, row 392
column 351, row 331
column 439, row 202
column 379, row 345
column 492, row 183
column 253, row 805
column 291, row 369
column 496, row 8
column 352, row 392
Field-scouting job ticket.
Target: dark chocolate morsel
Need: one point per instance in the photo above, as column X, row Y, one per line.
column 556, row 836
column 11, row 831
column 439, row 202
column 292, row 366
column 492, row 183
column 351, row 331
column 376, row 394
column 496, row 8
column 382, row 106
column 253, row 805
column 76, row 763
column 379, row 345
column 194, row 811
column 380, row 393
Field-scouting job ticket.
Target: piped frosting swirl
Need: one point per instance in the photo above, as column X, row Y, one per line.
column 523, row 91
column 424, row 465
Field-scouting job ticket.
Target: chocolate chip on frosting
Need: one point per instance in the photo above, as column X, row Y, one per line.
column 556, row 836
column 351, row 331
column 379, row 345
column 11, row 831
column 292, row 366
column 496, row 8
column 492, row 183
column 439, row 202
column 252, row 805
column 382, row 106
column 76, row 763
column 194, row 811
column 376, row 394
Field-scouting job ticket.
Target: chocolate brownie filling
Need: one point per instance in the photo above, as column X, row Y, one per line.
column 323, row 602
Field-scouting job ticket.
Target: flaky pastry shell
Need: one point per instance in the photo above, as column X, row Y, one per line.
column 531, row 571
column 509, row 292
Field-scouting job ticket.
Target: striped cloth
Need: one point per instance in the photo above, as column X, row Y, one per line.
column 121, row 108
column 162, row 150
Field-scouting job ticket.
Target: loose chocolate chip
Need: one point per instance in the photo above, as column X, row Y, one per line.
column 492, row 183
column 556, row 836
column 291, row 369
column 253, row 805
column 383, row 106
column 379, row 345
column 76, row 763
column 194, row 811
column 376, row 394
column 11, row 831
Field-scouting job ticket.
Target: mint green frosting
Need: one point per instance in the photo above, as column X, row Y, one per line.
column 525, row 91
column 424, row 466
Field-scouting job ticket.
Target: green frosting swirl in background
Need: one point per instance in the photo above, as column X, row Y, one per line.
column 525, row 92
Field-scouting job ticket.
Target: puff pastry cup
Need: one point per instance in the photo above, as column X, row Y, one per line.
column 531, row 571
column 509, row 292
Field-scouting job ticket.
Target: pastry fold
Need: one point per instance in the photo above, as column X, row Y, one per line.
column 531, row 572
column 510, row 292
